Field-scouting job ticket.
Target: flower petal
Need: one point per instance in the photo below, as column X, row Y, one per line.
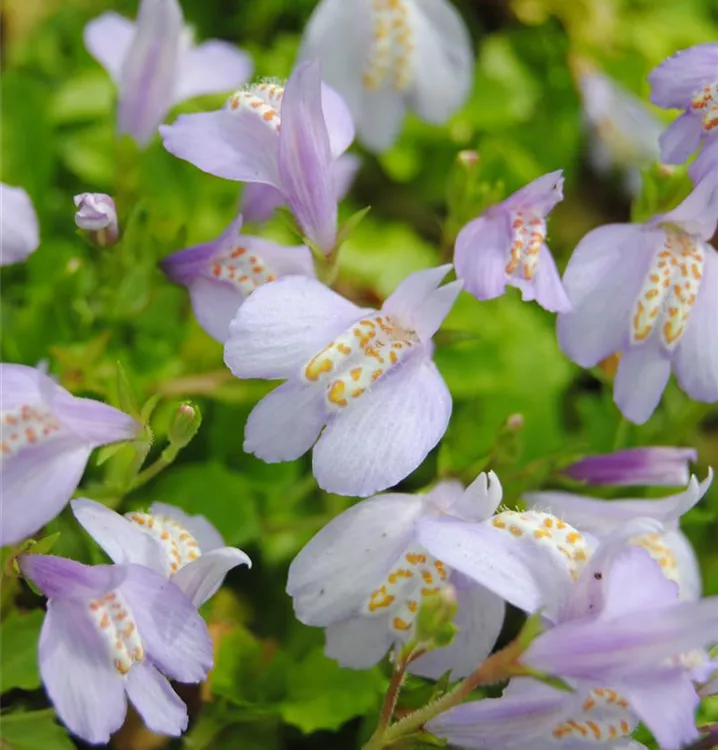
column 200, row 579
column 706, row 162
column 211, row 68
column 81, row 681
column 381, row 439
column 697, row 213
column 285, row 424
column 541, row 195
column 643, row 373
column 341, row 565
column 201, row 529
column 37, row 483
column 305, row 158
column 174, row 635
column 479, row 617
column 160, row 707
column 338, row 119
column 602, row 280
column 666, row 703
column 419, row 304
column 58, row 577
column 260, row 201
column 285, row 260
column 548, row 289
column 514, row 568
column 108, row 39
column 480, row 256
column 233, row 145
column 679, row 78
column 444, row 63
column 215, row 303
column 527, row 711
column 380, row 118
column 283, row 325
column 92, row 421
column 147, row 80
column 122, row 540
column 359, row 642
column 696, row 358
column 21, row 385
column 680, row 139
column 344, row 170
column 18, row 225
column 479, row 500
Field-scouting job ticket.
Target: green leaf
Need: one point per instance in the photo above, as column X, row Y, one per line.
column 229, row 504
column 36, row 730
column 322, row 695
column 19, row 637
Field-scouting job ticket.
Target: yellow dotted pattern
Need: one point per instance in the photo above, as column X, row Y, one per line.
column 705, row 103
column 391, row 52
column 657, row 549
column 116, row 625
column 179, row 546
column 669, row 290
column 528, row 236
column 243, row 270
column 605, row 717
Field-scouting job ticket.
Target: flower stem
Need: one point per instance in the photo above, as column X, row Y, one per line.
column 167, row 457
column 498, row 667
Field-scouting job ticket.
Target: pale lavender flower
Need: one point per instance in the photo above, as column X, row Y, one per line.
column 260, row 201
column 648, row 292
column 689, row 81
column 222, row 273
column 623, row 131
column 616, row 625
column 364, row 577
column 110, row 633
column 670, row 548
column 287, row 138
column 386, row 58
column 47, row 437
column 364, row 379
column 706, row 163
column 186, row 549
column 155, row 64
column 19, row 231
column 654, row 465
column 96, row 214
column 507, row 245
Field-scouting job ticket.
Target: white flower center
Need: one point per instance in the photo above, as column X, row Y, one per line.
column 604, row 718
column 263, row 99
column 28, row 425
column 661, row 553
column 391, row 56
column 528, row 233
column 669, row 290
column 563, row 541
column 242, row 270
column 358, row 358
column 415, row 576
column 179, row 546
column 705, row 104
column 116, row 625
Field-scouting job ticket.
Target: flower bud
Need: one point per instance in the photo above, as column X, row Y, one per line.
column 468, row 158
column 97, row 215
column 185, row 424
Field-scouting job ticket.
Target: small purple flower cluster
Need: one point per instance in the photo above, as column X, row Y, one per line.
column 616, row 583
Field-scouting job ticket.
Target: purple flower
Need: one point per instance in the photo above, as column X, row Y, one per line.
column 96, row 214
column 667, row 467
column 615, row 625
column 507, row 245
column 364, row 577
column 110, row 630
column 19, row 232
column 284, row 138
column 689, row 81
column 648, row 292
column 187, row 549
column 706, row 163
column 385, row 58
column 47, row 437
column 155, row 65
column 362, row 378
column 623, row 131
column 601, row 518
column 222, row 273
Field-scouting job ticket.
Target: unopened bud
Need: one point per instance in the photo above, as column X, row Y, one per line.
column 515, row 422
column 435, row 620
column 97, row 215
column 468, row 158
column 185, row 424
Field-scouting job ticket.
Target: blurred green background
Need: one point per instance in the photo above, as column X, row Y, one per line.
column 83, row 309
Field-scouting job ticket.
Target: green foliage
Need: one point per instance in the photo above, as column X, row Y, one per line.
column 36, row 730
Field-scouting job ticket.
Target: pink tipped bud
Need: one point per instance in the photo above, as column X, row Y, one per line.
column 515, row 422
column 468, row 158
column 97, row 215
